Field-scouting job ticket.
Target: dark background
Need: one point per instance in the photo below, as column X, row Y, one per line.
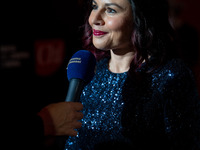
column 37, row 39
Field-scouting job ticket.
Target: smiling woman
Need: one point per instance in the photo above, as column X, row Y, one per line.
column 142, row 96
column 110, row 21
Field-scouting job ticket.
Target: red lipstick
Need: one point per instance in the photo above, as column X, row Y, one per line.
column 98, row 32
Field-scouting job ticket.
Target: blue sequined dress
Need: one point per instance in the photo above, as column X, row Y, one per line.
column 161, row 112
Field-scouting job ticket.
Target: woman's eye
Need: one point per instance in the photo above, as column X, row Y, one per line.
column 110, row 10
column 94, row 6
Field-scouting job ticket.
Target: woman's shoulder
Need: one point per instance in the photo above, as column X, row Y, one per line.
column 174, row 73
column 174, row 68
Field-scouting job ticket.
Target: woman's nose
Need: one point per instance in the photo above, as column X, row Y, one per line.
column 98, row 18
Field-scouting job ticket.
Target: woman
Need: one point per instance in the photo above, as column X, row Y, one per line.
column 141, row 96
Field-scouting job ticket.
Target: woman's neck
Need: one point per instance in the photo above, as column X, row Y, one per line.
column 120, row 60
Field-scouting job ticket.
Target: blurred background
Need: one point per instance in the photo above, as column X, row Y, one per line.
column 38, row 37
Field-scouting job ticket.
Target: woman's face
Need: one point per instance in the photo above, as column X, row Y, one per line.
column 112, row 24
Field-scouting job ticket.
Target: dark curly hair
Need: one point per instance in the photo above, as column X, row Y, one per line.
column 152, row 35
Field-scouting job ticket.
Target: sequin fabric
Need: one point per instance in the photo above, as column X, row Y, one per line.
column 103, row 104
column 161, row 109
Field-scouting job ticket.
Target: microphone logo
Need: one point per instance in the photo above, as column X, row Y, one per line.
column 75, row 60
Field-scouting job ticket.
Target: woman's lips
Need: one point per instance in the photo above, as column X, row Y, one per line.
column 98, row 32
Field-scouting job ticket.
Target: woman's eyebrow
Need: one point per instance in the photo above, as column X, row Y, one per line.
column 94, row 2
column 109, row 4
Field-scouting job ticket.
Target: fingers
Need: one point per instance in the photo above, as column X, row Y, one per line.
column 72, row 118
column 74, row 113
column 73, row 133
column 76, row 106
column 71, row 130
column 79, row 115
column 76, row 125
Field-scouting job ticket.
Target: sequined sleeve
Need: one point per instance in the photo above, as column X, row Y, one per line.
column 181, row 107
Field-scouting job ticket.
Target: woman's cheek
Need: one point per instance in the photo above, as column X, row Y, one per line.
column 114, row 24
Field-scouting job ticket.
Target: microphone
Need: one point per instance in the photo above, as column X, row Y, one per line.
column 80, row 71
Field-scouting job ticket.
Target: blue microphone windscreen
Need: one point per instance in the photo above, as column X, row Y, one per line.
column 81, row 66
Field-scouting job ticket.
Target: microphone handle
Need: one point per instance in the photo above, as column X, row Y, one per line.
column 74, row 90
